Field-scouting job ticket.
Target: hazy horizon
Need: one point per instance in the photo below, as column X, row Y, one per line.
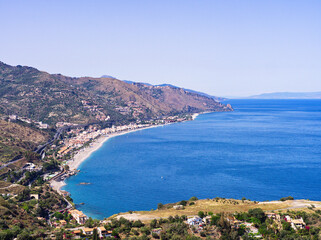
column 223, row 48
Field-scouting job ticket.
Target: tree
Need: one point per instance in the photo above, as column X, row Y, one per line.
column 138, row 224
column 286, row 226
column 160, row 206
column 201, row 214
column 286, row 198
column 58, row 215
column 257, row 213
column 183, row 202
column 215, row 219
column 153, row 223
column 193, row 199
column 95, row 234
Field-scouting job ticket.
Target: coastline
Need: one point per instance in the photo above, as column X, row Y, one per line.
column 85, row 153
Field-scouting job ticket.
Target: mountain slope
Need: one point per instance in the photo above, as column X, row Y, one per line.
column 52, row 98
column 15, row 139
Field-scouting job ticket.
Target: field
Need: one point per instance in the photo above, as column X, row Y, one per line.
column 219, row 205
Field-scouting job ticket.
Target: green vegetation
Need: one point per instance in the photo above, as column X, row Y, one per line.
column 286, row 198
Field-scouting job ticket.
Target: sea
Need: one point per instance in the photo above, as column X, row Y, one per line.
column 263, row 150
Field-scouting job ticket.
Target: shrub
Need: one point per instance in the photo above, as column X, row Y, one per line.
column 193, row 199
column 160, row 206
column 155, row 235
column 183, row 202
column 286, row 198
column 138, row 224
column 201, row 214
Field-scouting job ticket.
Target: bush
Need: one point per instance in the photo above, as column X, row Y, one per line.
column 155, row 235
column 286, row 198
column 145, row 230
column 138, row 224
column 201, row 214
column 214, row 219
column 183, row 202
column 153, row 223
column 193, row 199
column 160, row 206
column 257, row 213
column 192, row 203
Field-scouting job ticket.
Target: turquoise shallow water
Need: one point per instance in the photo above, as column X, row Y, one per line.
column 264, row 150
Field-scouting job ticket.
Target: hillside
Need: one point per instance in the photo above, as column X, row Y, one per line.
column 51, row 98
column 16, row 139
column 217, row 205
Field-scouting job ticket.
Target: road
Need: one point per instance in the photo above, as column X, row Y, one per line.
column 41, row 148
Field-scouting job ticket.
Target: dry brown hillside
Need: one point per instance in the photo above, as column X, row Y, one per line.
column 51, row 98
column 16, row 139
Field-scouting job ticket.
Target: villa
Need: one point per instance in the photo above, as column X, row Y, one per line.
column 79, row 216
column 88, row 231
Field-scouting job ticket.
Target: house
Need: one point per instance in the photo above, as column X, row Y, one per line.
column 157, row 230
column 30, row 167
column 76, row 234
column 103, row 232
column 298, row 223
column 195, row 221
column 35, row 196
column 233, row 221
column 287, row 218
column 250, row 228
column 12, row 117
column 62, row 222
column 178, row 207
column 273, row 216
column 79, row 216
column 64, row 193
column 88, row 231
column 295, row 223
column 207, row 219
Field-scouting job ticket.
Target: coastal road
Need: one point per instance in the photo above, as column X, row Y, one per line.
column 9, row 163
column 40, row 149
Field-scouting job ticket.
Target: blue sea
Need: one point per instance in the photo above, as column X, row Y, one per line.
column 264, row 150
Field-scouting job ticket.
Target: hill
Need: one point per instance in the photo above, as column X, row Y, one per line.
column 52, row 98
column 216, row 205
column 16, row 139
column 288, row 95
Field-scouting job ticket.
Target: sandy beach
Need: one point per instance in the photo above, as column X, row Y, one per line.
column 57, row 185
column 85, row 153
column 195, row 115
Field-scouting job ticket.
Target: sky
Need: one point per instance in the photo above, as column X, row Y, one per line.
column 224, row 48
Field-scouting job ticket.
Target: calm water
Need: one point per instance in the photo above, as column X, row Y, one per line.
column 264, row 150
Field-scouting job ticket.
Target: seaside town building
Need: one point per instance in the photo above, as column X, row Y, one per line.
column 79, row 216
column 88, row 231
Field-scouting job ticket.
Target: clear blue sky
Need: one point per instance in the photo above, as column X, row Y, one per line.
column 222, row 47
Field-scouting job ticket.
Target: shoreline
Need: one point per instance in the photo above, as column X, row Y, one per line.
column 83, row 154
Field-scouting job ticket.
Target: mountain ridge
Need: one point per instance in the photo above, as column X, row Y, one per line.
column 28, row 92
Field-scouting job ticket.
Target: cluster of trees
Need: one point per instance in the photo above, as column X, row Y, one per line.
column 269, row 229
column 50, row 166
column 14, row 176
